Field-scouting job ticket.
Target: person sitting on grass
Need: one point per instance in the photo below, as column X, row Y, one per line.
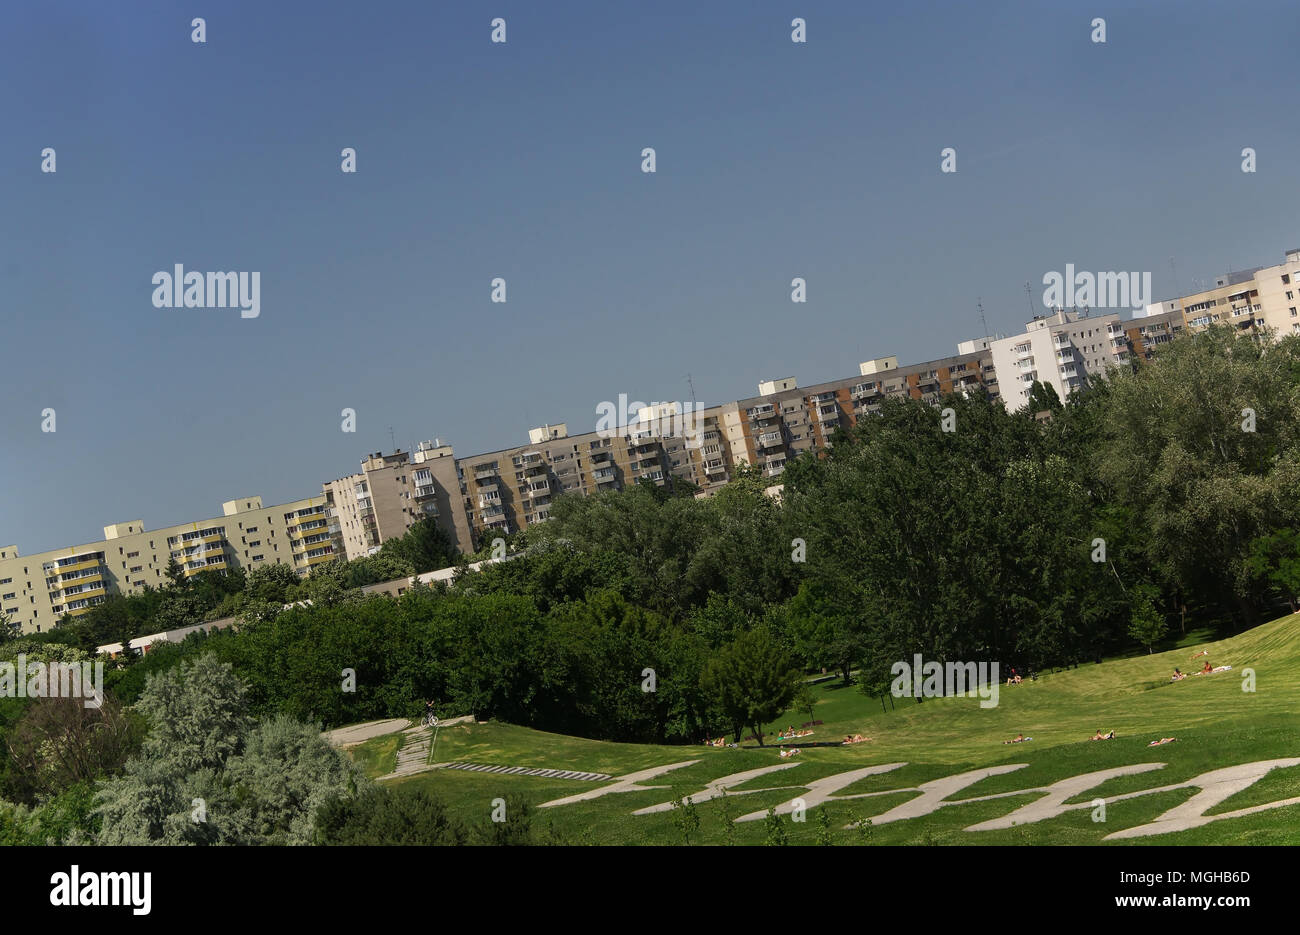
column 1100, row 736
column 1207, row 668
column 1177, row 675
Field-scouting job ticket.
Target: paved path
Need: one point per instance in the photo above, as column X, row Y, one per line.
column 355, row 733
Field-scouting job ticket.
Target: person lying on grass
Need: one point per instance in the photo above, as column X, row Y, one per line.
column 1100, row 736
column 1163, row 740
column 789, row 753
column 1019, row 738
column 856, row 738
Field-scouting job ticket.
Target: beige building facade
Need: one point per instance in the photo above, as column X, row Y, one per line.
column 38, row 590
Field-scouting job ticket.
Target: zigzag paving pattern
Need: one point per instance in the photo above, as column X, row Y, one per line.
column 527, row 771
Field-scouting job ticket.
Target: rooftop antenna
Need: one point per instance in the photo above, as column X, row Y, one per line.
column 1029, row 297
column 691, row 384
column 979, row 303
column 1178, row 289
column 392, row 438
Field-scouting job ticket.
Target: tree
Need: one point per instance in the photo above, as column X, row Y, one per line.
column 805, row 699
column 1203, row 450
column 276, row 583
column 208, row 774
column 752, row 681
column 1043, row 398
column 380, row 816
column 686, row 817
column 825, row 628
column 9, row 628
column 1275, row 558
column 425, row 546
column 59, row 742
column 775, row 829
column 1147, row 625
column 174, row 573
column 824, row 834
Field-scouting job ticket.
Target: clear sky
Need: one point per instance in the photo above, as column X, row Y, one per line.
column 523, row 160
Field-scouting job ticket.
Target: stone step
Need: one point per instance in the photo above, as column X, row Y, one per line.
column 528, row 771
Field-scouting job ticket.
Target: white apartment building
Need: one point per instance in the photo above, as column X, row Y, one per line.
column 1065, row 351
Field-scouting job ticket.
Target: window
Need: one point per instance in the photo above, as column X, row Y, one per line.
column 257, row 558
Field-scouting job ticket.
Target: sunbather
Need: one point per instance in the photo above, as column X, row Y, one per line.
column 1019, row 738
column 1162, row 740
column 1100, row 736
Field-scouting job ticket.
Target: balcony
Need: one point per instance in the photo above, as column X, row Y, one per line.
column 603, row 473
column 765, row 411
column 715, row 467
column 1027, row 364
column 775, row 470
column 482, row 473
column 429, row 490
column 824, row 397
column 828, row 414
column 864, row 391
column 539, row 489
column 1065, row 356
column 76, row 566
column 1023, row 350
column 769, row 440
column 1059, row 342
column 601, row 457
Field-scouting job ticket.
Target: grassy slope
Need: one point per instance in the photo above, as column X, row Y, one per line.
column 1217, row 724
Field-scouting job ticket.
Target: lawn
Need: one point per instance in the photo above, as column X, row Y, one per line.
column 1217, row 725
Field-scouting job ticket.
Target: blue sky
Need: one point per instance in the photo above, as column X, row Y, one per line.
column 522, row 160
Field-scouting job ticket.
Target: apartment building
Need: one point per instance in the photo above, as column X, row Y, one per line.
column 1147, row 333
column 784, row 420
column 390, row 494
column 1065, row 350
column 513, row 488
column 1278, row 294
column 39, row 590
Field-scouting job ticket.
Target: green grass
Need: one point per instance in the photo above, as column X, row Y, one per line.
column 377, row 756
column 1216, row 723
